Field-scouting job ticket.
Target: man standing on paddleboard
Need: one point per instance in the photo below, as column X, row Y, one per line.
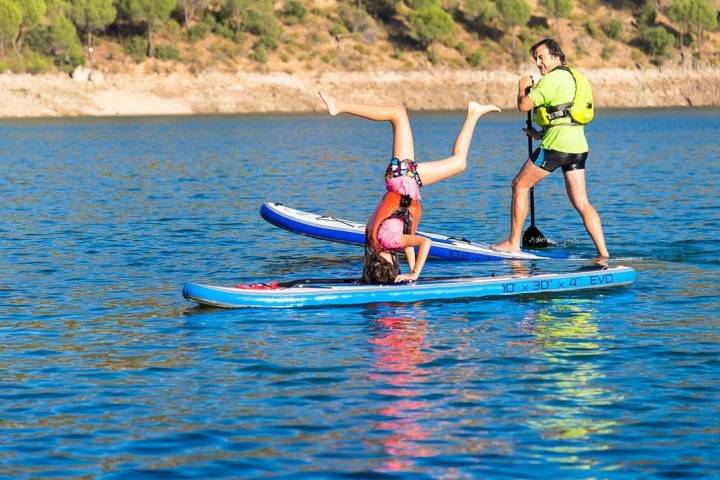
column 562, row 102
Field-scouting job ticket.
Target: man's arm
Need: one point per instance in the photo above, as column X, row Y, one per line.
column 524, row 103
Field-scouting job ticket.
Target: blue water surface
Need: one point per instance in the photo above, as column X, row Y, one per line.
column 106, row 372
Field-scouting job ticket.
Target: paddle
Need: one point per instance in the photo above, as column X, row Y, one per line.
column 533, row 237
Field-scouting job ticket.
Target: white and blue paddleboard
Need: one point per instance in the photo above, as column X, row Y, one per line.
column 321, row 293
column 339, row 230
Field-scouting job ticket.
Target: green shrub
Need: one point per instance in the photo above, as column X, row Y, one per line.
column 592, row 29
column 198, row 32
column 35, row 63
column 476, row 59
column 418, row 4
column 607, row 52
column 612, row 28
column 40, row 40
column 338, row 29
column 166, row 52
column 354, row 18
column 225, row 29
column 262, row 22
column 294, row 12
column 655, row 42
column 15, row 63
column 259, row 53
column 136, row 46
column 429, row 25
column 268, row 42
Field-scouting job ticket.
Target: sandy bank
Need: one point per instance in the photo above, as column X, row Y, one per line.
column 138, row 94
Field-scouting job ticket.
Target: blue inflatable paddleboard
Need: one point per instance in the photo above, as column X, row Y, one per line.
column 339, row 230
column 322, row 293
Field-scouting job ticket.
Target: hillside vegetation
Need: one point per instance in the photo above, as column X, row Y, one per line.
column 291, row 36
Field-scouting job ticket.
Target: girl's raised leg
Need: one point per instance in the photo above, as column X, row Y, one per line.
column 431, row 172
column 403, row 147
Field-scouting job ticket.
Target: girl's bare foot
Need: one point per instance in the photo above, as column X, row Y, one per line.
column 475, row 108
column 330, row 103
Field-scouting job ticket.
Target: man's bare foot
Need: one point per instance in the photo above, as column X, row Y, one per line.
column 475, row 108
column 330, row 103
column 602, row 261
column 505, row 246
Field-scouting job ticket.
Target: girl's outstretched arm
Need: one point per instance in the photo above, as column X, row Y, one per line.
column 423, row 250
column 410, row 256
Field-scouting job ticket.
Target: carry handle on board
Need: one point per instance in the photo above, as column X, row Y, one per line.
column 533, row 237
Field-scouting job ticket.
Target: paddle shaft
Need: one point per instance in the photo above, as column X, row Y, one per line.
column 530, row 151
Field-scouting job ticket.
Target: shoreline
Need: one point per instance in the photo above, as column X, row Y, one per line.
column 59, row 95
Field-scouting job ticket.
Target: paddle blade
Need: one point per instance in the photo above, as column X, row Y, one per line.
column 533, row 238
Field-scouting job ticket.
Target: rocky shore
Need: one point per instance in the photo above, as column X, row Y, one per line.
column 59, row 95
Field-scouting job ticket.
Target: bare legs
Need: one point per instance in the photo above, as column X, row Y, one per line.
column 575, row 186
column 403, row 147
column 431, row 172
column 528, row 177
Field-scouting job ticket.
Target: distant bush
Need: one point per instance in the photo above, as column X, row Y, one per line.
column 419, row 4
column 36, row 63
column 166, row 52
column 40, row 40
column 260, row 53
column 354, row 18
column 294, row 12
column 136, row 46
column 479, row 12
column 607, row 52
column 612, row 28
column 655, row 42
column 262, row 21
column 429, row 25
column 338, row 29
column 198, row 31
column 592, row 29
column 383, row 9
column 476, row 59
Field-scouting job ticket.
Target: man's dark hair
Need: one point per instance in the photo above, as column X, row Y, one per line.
column 552, row 46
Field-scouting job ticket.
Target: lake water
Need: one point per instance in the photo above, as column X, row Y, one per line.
column 106, row 372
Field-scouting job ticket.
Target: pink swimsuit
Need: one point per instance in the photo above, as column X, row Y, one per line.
column 401, row 177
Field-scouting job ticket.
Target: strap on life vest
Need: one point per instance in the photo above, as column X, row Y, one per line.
column 580, row 111
column 393, row 205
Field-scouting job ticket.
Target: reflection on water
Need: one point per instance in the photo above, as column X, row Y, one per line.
column 568, row 341
column 399, row 350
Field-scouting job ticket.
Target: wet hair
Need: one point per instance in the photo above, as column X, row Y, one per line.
column 377, row 270
column 552, row 46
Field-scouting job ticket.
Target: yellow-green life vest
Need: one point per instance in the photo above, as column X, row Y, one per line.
column 580, row 110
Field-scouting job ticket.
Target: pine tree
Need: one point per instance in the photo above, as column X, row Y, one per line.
column 92, row 15
column 148, row 12
column 10, row 18
column 513, row 13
